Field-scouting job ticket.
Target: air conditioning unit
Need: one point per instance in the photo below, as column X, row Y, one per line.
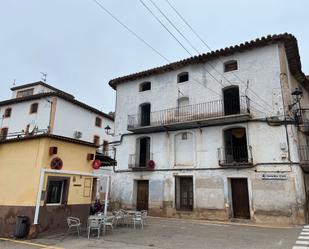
column 78, row 134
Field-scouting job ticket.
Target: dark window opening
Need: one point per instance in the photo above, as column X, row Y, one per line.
column 236, row 149
column 7, row 112
column 105, row 147
column 96, row 140
column 183, row 77
column 57, row 190
column 3, row 133
column 145, row 86
column 25, row 93
column 145, row 114
column 34, row 108
column 230, row 66
column 98, row 122
column 184, row 193
column 231, row 100
column 144, row 151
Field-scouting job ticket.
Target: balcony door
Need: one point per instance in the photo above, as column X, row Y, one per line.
column 236, row 149
column 144, row 151
column 231, row 100
column 145, row 114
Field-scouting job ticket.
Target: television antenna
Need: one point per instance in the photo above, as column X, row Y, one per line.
column 44, row 76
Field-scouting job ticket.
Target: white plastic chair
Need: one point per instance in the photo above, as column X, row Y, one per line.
column 108, row 222
column 138, row 219
column 93, row 224
column 144, row 215
column 73, row 222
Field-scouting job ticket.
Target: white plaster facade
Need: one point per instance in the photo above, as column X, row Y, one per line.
column 62, row 116
column 274, row 148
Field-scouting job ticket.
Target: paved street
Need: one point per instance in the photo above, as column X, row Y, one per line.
column 173, row 233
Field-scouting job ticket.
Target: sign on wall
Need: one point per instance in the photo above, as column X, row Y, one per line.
column 274, row 176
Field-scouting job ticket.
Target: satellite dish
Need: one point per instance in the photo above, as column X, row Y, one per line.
column 32, row 128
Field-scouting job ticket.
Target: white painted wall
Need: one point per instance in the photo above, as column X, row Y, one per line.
column 261, row 68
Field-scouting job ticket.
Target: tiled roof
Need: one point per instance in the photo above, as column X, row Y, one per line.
column 56, row 94
column 42, row 84
column 289, row 41
column 66, row 139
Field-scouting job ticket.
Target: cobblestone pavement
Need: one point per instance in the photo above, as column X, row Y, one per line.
column 174, row 233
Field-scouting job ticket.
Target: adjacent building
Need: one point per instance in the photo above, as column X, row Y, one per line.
column 216, row 136
column 50, row 144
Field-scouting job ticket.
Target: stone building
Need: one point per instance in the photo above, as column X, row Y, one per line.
column 216, row 136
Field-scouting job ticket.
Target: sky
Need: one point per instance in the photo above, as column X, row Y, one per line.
column 82, row 48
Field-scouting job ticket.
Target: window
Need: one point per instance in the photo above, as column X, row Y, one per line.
column 98, row 122
column 105, row 147
column 34, row 108
column 184, row 193
column 235, row 143
column 230, row 66
column 3, row 133
column 57, row 190
column 145, row 86
column 25, row 93
column 183, row 77
column 96, row 140
column 7, row 112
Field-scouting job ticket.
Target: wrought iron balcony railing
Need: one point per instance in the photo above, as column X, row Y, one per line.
column 235, row 155
column 190, row 113
column 139, row 162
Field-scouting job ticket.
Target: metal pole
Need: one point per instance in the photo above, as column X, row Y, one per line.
column 106, row 197
column 38, row 198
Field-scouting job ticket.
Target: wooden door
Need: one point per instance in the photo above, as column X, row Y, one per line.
column 240, row 198
column 142, row 195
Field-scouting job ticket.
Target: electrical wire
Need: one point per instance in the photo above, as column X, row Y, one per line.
column 164, row 26
column 210, row 49
column 131, row 31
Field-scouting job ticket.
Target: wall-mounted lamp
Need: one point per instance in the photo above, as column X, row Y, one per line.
column 107, row 130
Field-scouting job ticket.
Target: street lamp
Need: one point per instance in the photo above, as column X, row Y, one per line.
column 107, row 129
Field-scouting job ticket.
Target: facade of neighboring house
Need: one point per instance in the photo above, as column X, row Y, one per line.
column 41, row 107
column 215, row 136
column 46, row 178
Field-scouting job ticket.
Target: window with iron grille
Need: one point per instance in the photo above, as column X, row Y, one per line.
column 230, row 66
column 183, row 77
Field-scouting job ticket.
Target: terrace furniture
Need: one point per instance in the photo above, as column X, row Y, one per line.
column 73, row 222
column 93, row 224
column 144, row 215
column 138, row 219
column 108, row 222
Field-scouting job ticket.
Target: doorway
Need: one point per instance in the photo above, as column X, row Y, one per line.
column 235, row 144
column 231, row 100
column 240, row 198
column 145, row 114
column 142, row 195
column 184, row 193
column 144, row 151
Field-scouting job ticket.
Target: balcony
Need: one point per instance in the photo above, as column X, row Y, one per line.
column 22, row 134
column 302, row 120
column 106, row 156
column 139, row 162
column 191, row 116
column 303, row 152
column 235, row 156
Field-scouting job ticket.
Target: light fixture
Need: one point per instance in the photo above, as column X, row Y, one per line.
column 107, row 129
